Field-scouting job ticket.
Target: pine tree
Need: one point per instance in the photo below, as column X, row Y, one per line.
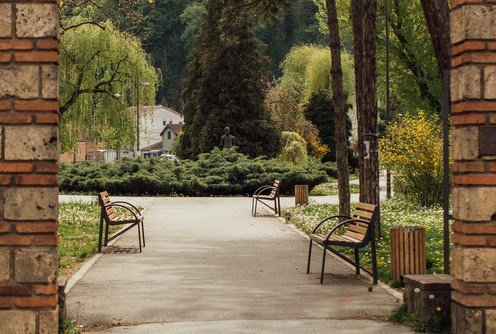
column 225, row 87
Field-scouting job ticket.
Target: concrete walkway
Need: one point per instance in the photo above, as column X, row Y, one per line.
column 210, row 267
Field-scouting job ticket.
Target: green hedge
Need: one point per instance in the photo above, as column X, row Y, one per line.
column 216, row 173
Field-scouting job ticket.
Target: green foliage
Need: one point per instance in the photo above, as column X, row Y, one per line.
column 226, row 87
column 293, row 149
column 69, row 327
column 95, row 65
column 320, row 111
column 310, row 66
column 219, row 172
column 414, row 74
column 440, row 323
column 412, row 149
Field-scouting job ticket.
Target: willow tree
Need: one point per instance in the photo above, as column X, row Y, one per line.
column 99, row 70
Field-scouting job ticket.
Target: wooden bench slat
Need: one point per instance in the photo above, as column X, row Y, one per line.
column 358, row 229
column 354, row 235
column 365, row 206
column 363, row 214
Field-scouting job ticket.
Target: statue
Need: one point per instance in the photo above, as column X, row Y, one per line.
column 227, row 140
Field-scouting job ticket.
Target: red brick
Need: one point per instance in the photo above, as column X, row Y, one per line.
column 36, row 106
column 491, row 241
column 46, row 290
column 15, row 119
column 5, row 105
column 476, row 229
column 5, row 57
column 474, row 300
column 475, row 57
column 47, row 119
column 470, row 106
column 37, row 227
column 4, row 228
column 46, row 240
column 36, row 302
column 491, row 289
column 15, row 168
column 48, row 44
column 5, row 303
column 468, row 46
column 37, row 57
column 463, row 167
column 468, row 288
column 476, row 180
column 469, row 240
column 15, row 290
column 15, row 240
column 492, row 167
column 38, row 180
column 468, row 119
column 42, row 167
column 16, row 45
column 5, row 180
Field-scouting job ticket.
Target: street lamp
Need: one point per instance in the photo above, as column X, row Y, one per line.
column 138, row 83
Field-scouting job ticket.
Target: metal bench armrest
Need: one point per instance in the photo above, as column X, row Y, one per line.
column 122, row 206
column 129, row 204
column 328, row 218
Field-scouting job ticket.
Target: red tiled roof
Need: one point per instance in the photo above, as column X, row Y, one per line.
column 156, row 146
column 176, row 128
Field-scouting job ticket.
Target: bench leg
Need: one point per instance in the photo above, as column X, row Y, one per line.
column 255, row 212
column 357, row 261
column 309, row 256
column 100, row 235
column 323, row 264
column 279, row 204
column 143, row 232
column 139, row 236
column 106, row 234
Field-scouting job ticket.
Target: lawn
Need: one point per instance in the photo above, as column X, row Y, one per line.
column 394, row 212
column 78, row 229
column 331, row 189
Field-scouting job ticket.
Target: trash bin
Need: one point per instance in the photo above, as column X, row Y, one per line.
column 301, row 194
column 407, row 251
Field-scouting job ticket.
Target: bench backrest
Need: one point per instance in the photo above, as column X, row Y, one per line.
column 274, row 191
column 107, row 210
column 360, row 230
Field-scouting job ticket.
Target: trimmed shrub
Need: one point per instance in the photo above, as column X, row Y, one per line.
column 225, row 172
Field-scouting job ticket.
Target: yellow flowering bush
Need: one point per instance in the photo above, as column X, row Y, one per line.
column 412, row 149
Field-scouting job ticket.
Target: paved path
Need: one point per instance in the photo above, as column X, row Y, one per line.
column 210, row 267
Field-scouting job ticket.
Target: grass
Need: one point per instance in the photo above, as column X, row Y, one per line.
column 394, row 212
column 79, row 224
column 331, row 189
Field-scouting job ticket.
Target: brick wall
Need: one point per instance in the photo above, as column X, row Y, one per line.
column 29, row 59
column 473, row 98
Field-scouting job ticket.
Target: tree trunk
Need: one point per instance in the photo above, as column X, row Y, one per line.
column 338, row 99
column 364, row 35
column 437, row 16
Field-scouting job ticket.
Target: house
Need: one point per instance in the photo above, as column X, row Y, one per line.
column 153, row 119
column 169, row 134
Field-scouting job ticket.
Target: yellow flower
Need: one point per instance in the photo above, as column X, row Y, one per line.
column 438, row 309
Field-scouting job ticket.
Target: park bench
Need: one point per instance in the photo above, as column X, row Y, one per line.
column 355, row 232
column 109, row 218
column 267, row 193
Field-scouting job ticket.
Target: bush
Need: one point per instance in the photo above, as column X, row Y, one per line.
column 225, row 172
column 412, row 149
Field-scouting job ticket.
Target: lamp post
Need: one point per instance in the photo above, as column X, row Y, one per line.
column 138, row 84
column 388, row 101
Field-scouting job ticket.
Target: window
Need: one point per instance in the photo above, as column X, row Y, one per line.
column 164, row 122
column 168, row 135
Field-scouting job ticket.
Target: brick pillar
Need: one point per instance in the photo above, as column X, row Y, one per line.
column 473, row 97
column 29, row 59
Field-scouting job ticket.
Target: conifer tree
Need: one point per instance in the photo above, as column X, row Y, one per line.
column 225, row 87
